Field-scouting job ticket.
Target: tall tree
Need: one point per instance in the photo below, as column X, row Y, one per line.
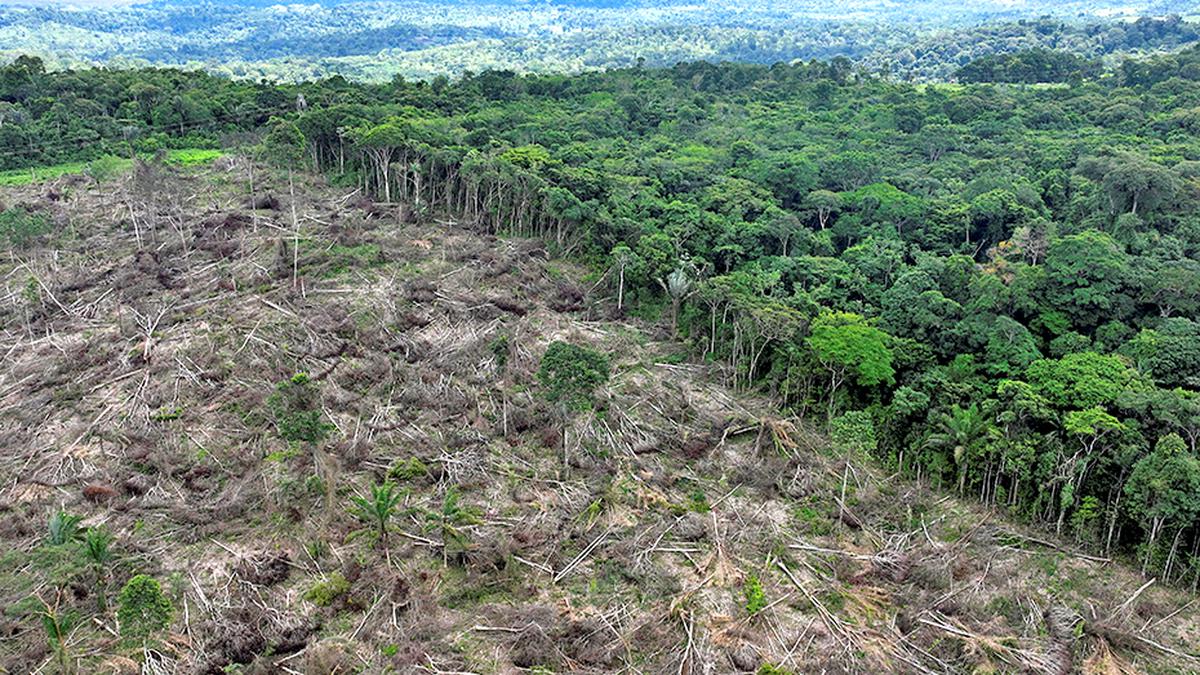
column 848, row 347
column 1164, row 492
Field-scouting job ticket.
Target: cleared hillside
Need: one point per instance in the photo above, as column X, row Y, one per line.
column 151, row 344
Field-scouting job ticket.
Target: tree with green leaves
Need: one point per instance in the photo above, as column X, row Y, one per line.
column 1164, row 493
column 284, row 143
column 824, row 204
column 1133, row 183
column 1169, row 353
column 935, row 140
column 1091, row 426
column 1177, row 409
column 849, row 170
column 569, row 375
column 1010, row 347
column 848, row 347
column 914, row 307
column 1085, row 275
column 1172, row 287
column 1020, row 412
column 1083, row 379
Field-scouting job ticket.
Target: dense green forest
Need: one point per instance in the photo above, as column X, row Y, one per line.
column 924, row 40
column 990, row 287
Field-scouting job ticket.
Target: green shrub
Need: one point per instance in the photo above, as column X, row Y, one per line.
column 18, row 227
column 104, row 169
column 335, row 260
column 296, row 408
column 408, row 469
column 142, row 609
column 756, row 598
column 569, row 374
column 500, row 348
column 815, row 521
column 325, row 593
column 854, row 432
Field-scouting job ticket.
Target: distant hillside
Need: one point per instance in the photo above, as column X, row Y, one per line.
column 926, row 40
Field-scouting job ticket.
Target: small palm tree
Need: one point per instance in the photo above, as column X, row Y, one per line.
column 450, row 523
column 98, row 552
column 378, row 509
column 962, row 431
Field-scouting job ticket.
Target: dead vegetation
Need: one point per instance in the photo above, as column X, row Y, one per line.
column 142, row 342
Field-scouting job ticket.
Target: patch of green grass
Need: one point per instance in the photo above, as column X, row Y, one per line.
column 607, row 582
column 833, row 600
column 55, row 564
column 35, row 174
column 814, row 521
column 337, row 260
column 695, row 501
column 1006, row 607
column 284, row 455
column 698, row 501
column 674, row 359
column 192, row 156
column 183, row 157
column 463, row 591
